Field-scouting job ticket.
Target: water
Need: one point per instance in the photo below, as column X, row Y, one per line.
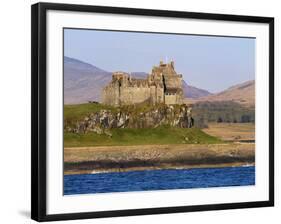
column 158, row 180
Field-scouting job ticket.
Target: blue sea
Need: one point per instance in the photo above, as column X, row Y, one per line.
column 158, row 180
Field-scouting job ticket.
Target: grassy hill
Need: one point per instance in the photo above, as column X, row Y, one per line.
column 129, row 136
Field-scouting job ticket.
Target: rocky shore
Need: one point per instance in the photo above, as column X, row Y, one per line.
column 87, row 160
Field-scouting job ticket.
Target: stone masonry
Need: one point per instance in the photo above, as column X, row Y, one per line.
column 162, row 85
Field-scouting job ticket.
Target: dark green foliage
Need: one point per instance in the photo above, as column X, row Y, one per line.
column 227, row 111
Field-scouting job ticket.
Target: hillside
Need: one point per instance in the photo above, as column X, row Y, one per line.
column 194, row 92
column 83, row 82
column 128, row 135
column 243, row 94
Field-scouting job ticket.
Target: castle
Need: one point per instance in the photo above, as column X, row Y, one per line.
column 162, row 85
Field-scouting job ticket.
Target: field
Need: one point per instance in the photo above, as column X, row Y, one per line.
column 244, row 132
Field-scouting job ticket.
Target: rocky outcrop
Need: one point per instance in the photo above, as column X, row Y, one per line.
column 100, row 122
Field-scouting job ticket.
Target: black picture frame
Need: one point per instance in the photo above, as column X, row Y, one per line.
column 38, row 108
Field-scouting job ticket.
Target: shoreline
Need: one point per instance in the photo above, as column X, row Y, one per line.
column 121, row 170
column 90, row 160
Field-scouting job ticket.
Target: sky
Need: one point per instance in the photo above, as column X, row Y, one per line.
column 209, row 62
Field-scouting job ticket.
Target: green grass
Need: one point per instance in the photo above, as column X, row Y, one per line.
column 144, row 136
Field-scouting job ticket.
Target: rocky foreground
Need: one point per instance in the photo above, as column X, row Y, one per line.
column 86, row 160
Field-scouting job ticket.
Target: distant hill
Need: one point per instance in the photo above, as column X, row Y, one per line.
column 83, row 82
column 243, row 94
column 194, row 92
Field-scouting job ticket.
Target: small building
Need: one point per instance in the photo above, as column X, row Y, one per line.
column 162, row 85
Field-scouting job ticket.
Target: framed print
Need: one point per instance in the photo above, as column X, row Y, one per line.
column 139, row 111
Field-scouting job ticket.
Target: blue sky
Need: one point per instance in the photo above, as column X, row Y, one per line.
column 208, row 62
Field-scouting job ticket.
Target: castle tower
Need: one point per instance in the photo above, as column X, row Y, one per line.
column 173, row 93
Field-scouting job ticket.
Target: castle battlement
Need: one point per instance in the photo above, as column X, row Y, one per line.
column 162, row 85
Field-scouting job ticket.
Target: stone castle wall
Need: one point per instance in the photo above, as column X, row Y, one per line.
column 171, row 99
column 111, row 95
column 163, row 85
column 131, row 95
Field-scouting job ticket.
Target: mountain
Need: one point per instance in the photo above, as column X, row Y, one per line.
column 243, row 94
column 194, row 92
column 83, row 82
